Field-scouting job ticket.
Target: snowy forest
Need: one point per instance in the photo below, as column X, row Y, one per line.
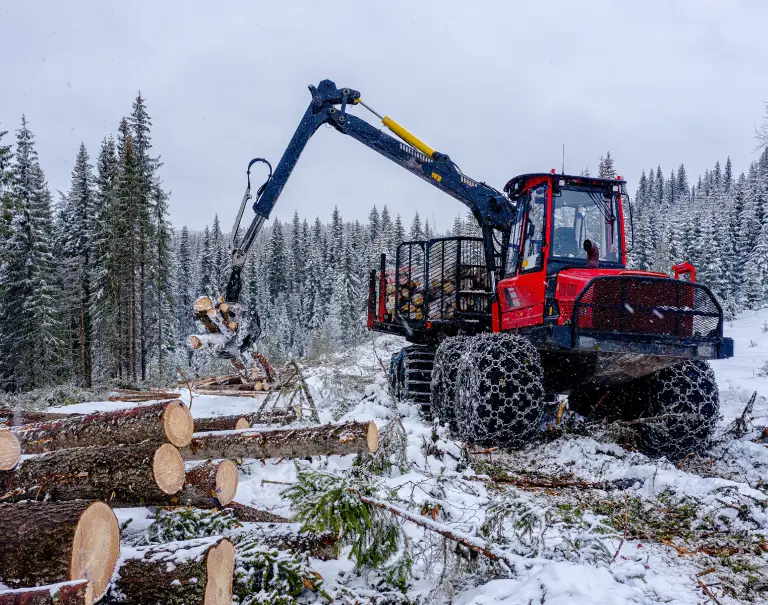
column 109, row 283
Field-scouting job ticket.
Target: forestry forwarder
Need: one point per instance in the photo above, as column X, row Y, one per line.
column 502, row 323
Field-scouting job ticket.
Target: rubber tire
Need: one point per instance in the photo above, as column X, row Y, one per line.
column 501, row 391
column 445, row 380
column 687, row 390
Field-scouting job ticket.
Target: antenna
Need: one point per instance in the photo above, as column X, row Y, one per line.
column 563, row 172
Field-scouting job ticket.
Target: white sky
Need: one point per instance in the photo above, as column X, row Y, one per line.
column 499, row 86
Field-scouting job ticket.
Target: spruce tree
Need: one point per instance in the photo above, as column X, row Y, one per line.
column 105, row 263
column 416, row 233
column 682, row 190
column 78, row 218
column 277, row 264
column 30, row 348
column 206, row 273
column 219, row 256
column 606, row 169
column 185, row 295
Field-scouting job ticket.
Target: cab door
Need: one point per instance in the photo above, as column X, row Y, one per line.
column 522, row 291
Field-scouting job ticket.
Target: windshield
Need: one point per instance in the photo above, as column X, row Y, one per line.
column 581, row 214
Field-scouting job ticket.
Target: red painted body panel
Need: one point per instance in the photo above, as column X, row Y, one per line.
column 522, row 296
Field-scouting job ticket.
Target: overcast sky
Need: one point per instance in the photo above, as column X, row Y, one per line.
column 499, row 86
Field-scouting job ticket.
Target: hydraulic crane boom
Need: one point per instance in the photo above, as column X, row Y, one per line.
column 491, row 209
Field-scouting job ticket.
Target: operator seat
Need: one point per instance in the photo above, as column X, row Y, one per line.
column 565, row 242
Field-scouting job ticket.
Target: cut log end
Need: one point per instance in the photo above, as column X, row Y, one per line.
column 220, row 566
column 203, row 304
column 242, row 423
column 95, row 549
column 10, row 450
column 178, row 424
column 226, row 482
column 168, row 469
column 373, row 436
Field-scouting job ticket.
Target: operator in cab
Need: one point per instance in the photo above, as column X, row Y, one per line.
column 593, row 254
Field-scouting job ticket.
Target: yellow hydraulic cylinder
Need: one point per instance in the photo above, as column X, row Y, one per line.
column 407, row 136
column 400, row 131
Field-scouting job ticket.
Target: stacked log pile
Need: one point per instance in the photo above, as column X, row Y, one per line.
column 60, row 475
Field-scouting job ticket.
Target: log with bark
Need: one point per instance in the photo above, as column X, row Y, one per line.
column 288, row 536
column 10, row 450
column 210, row 484
column 50, row 542
column 248, row 514
column 143, row 396
column 20, row 417
column 321, row 440
column 193, row 572
column 242, row 421
column 222, row 423
column 64, row 593
column 126, row 474
column 229, row 392
column 156, row 423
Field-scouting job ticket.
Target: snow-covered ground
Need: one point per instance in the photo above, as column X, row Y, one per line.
column 635, row 530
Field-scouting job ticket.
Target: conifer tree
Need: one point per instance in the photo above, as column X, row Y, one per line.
column 104, row 267
column 416, row 233
column 30, row 349
column 206, row 273
column 606, row 169
column 219, row 257
column 682, row 190
column 184, row 293
column 77, row 229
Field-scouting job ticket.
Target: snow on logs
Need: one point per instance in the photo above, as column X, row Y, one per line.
column 64, row 593
column 223, row 423
column 158, row 423
column 193, row 572
column 210, row 484
column 126, row 474
column 20, row 417
column 301, row 442
column 10, row 450
column 51, row 542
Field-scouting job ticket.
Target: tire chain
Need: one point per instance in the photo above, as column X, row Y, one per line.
column 500, row 391
column 444, row 380
column 686, row 400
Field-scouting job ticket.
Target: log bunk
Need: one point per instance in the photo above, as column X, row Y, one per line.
column 61, row 474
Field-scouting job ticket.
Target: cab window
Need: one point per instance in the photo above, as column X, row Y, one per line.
column 513, row 250
column 532, row 258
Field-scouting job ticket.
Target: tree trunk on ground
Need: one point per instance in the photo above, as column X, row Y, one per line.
column 248, row 514
column 50, row 542
column 10, row 450
column 222, row 423
column 288, row 536
column 69, row 593
column 21, row 417
column 210, row 484
column 153, row 423
column 194, row 572
column 243, row 421
column 322, row 440
column 127, row 474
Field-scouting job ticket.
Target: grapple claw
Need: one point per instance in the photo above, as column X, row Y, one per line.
column 230, row 331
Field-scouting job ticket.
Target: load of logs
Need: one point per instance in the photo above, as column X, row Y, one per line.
column 61, row 474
